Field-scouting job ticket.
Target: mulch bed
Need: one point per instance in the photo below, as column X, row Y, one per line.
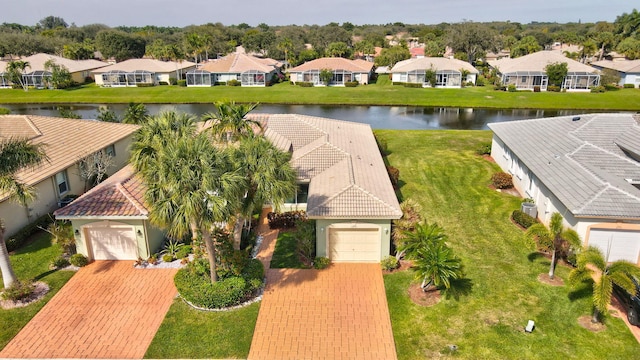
column 422, row 298
column 585, row 322
column 488, row 158
column 41, row 289
column 545, row 279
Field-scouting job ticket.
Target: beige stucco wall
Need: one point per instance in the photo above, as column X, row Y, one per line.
column 322, row 234
column 16, row 216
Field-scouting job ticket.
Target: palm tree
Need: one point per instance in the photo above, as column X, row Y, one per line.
column 406, row 224
column 423, row 236
column 15, row 155
column 15, row 70
column 191, row 184
column 269, row 176
column 554, row 238
column 592, row 264
column 285, row 45
column 436, row 265
column 135, row 113
column 229, row 122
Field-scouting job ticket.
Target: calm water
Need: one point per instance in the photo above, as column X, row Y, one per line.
column 379, row 117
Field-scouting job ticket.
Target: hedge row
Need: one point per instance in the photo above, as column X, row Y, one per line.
column 285, row 220
column 523, row 219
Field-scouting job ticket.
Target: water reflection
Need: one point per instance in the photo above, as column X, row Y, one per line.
column 379, row 117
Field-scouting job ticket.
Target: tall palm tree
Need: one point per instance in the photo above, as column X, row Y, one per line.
column 15, row 154
column 436, row 265
column 191, row 184
column 269, row 176
column 423, row 235
column 229, row 122
column 15, row 70
column 554, row 237
column 593, row 265
column 285, row 45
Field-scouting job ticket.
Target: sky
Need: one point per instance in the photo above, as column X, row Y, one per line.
column 181, row 13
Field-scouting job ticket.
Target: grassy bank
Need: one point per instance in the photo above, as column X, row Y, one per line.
column 382, row 93
column 486, row 315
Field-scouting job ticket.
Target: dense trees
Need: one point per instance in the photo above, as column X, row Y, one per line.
column 120, row 45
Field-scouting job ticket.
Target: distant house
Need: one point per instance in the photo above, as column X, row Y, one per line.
column 4, row 81
column 344, row 70
column 248, row 70
column 585, row 167
column 142, row 71
column 528, row 72
column 629, row 70
column 449, row 72
column 66, row 142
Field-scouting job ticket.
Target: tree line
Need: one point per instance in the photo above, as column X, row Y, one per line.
column 469, row 40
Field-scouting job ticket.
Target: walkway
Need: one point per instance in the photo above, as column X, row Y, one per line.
column 107, row 310
column 337, row 313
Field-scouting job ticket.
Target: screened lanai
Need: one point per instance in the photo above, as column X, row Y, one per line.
column 444, row 78
column 123, row 78
column 200, row 78
column 38, row 79
column 580, row 81
column 253, row 78
column 4, row 81
column 526, row 79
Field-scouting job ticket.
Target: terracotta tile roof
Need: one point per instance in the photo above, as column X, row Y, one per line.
column 121, row 195
column 335, row 63
column 537, row 61
column 66, row 140
column 239, row 63
column 151, row 65
column 437, row 63
column 348, row 178
column 36, row 62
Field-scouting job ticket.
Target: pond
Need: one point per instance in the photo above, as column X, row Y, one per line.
column 379, row 117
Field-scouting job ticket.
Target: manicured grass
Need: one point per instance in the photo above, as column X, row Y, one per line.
column 32, row 262
column 381, row 93
column 284, row 255
column 189, row 333
column 487, row 313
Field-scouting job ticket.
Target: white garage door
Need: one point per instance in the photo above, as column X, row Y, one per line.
column 619, row 244
column 112, row 242
column 356, row 245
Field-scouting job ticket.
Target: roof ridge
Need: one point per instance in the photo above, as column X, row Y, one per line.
column 130, row 197
column 374, row 196
column 32, row 125
column 325, row 143
column 597, row 196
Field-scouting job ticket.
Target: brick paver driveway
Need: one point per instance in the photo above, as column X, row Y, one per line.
column 337, row 313
column 107, row 310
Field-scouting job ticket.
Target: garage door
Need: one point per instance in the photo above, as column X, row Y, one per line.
column 356, row 245
column 619, row 244
column 112, row 242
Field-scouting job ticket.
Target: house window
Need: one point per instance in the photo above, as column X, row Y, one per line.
column 301, row 196
column 111, row 150
column 62, row 182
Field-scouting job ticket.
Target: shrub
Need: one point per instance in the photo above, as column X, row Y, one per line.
column 597, row 89
column 626, row 86
column 4, row 111
column 285, row 220
column 389, row 263
column 59, row 262
column 413, row 85
column 480, row 81
column 394, row 175
column 183, row 252
column 536, row 88
column 499, row 87
column 502, row 180
column 182, row 83
column 397, row 83
column 234, row 82
column 163, row 83
column 553, row 88
column 18, row 239
column 484, row 149
column 511, row 88
column 172, row 247
column 304, row 84
column 351, row 84
column 173, row 81
column 167, row 258
column 523, row 219
column 321, row 263
column 18, row 290
column 254, row 271
column 78, row 260
column 145, row 85
column 200, row 291
column 611, row 87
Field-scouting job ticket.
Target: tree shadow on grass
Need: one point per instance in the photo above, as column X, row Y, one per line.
column 459, row 287
column 581, row 291
column 44, row 274
column 535, row 256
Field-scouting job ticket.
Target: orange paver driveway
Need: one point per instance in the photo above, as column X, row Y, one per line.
column 337, row 313
column 107, row 310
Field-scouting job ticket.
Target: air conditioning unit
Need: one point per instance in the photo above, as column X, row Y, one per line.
column 530, row 209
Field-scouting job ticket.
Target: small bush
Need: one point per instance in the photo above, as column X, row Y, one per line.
column 484, row 149
column 553, row 88
column 59, row 262
column 523, row 219
column 481, row 81
column 173, row 81
column 167, row 258
column 511, row 88
column 18, row 239
column 182, row 83
column 304, row 84
column 502, row 180
column 253, row 270
column 499, row 88
column 412, row 85
column 394, row 175
column 397, row 83
column 611, row 87
column 321, row 263
column 200, row 291
column 145, row 85
column 597, row 89
column 234, row 82
column 351, row 84
column 78, row 260
column 163, row 83
column 389, row 263
column 183, row 252
column 18, row 290
column 626, row 86
column 4, row 111
column 285, row 220
column 536, row 88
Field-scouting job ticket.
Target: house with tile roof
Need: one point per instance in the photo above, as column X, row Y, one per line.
column 66, row 142
column 450, row 73
column 4, row 81
column 343, row 185
column 629, row 70
column 585, row 167
column 528, row 72
column 344, row 70
column 142, row 71
column 248, row 70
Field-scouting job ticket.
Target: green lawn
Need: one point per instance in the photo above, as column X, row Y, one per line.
column 189, row 333
column 32, row 262
column 284, row 254
column 485, row 317
column 381, row 93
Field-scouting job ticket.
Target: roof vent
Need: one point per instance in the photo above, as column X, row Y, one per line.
column 575, row 118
